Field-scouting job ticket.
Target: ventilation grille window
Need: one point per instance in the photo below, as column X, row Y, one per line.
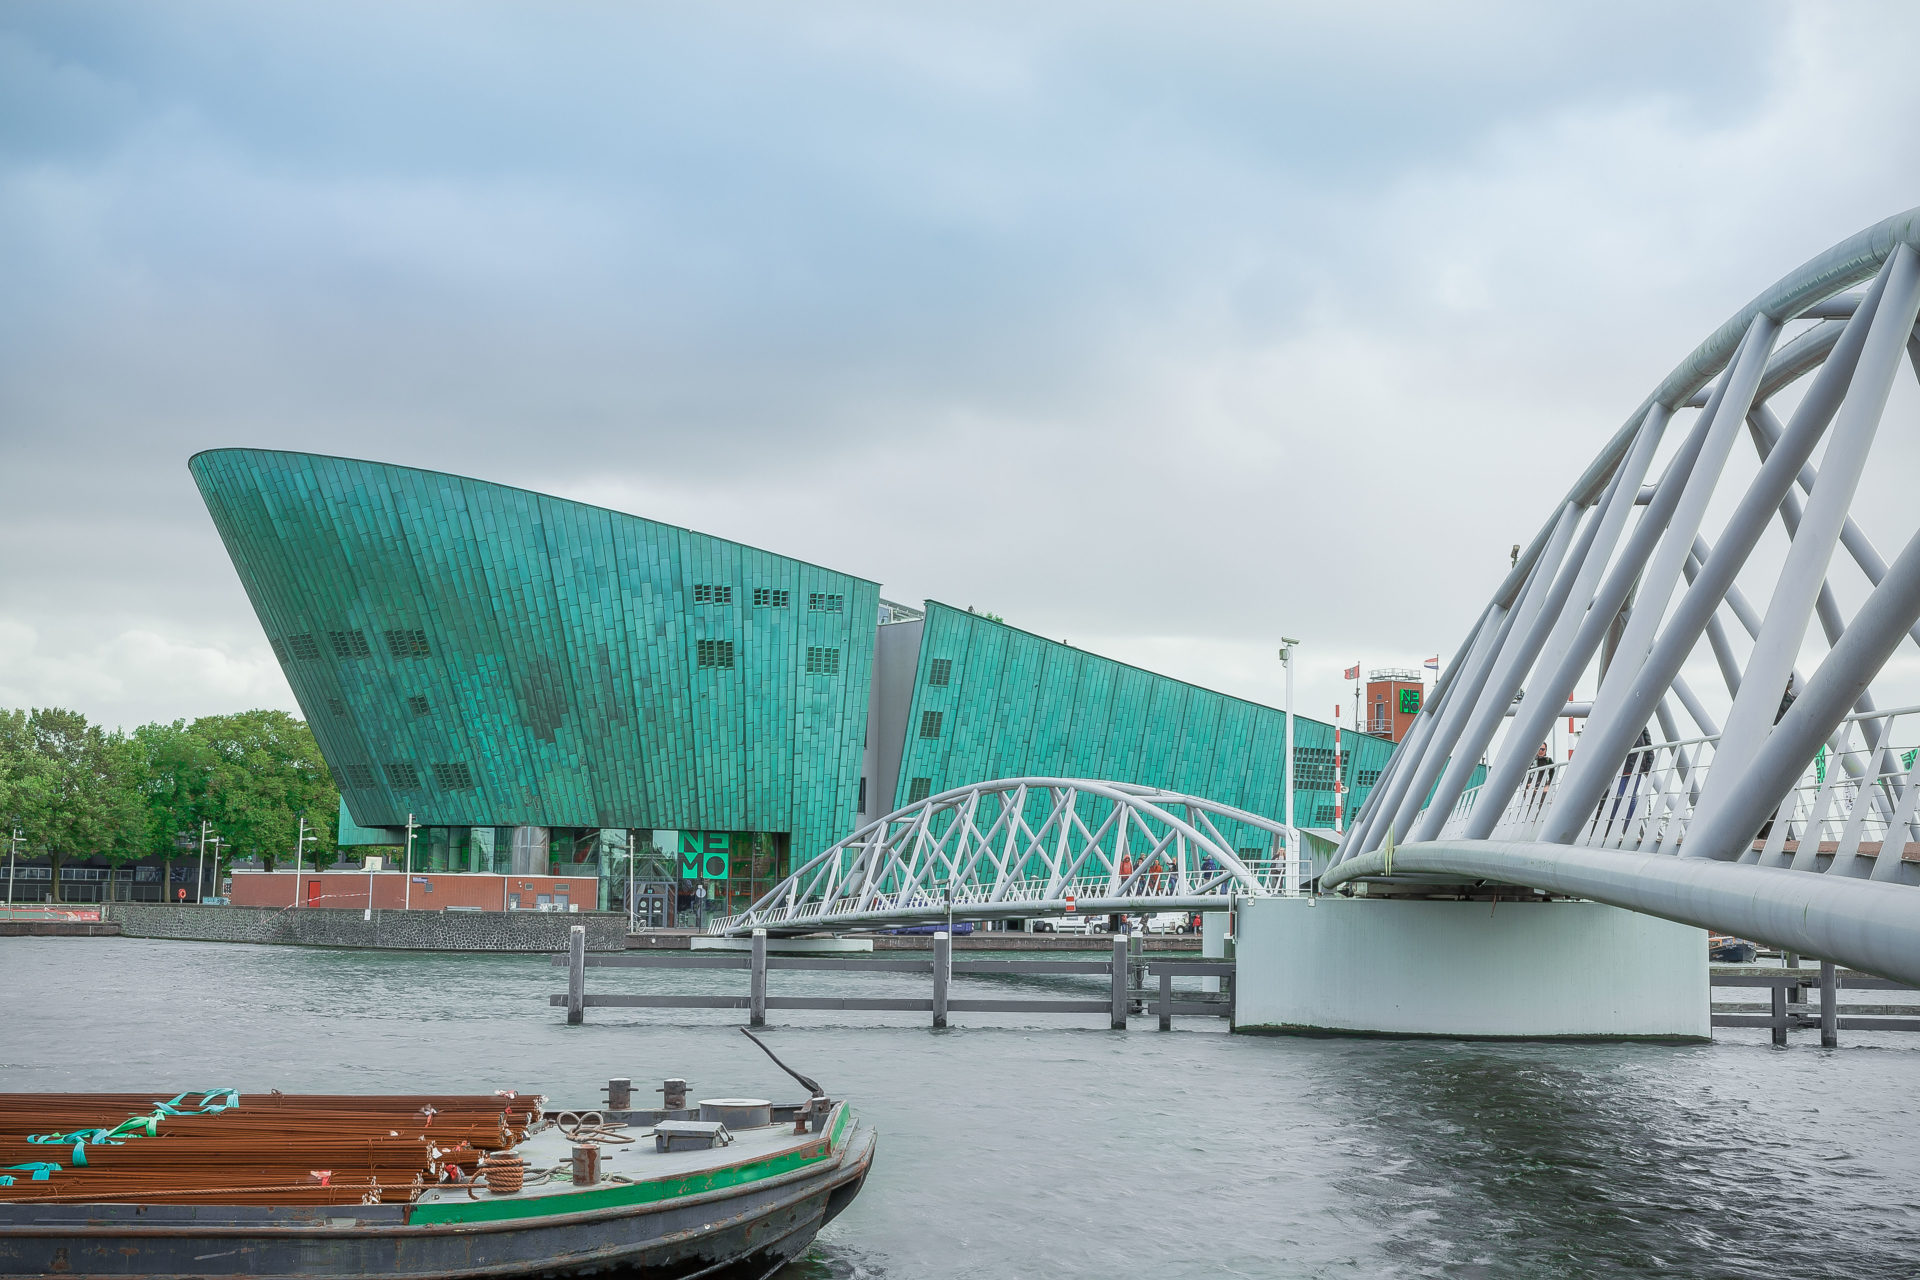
column 403, row 776
column 1323, row 815
column 303, row 647
column 359, row 776
column 453, row 777
column 714, row 653
column 917, row 789
column 418, row 705
column 1313, row 768
column 338, row 707
column 279, row 650
column 349, row 644
column 1366, row 777
column 930, row 723
column 712, row 593
column 820, row 602
column 1251, row 851
column 410, row 643
column 823, row 662
column 940, row 672
column 771, row 597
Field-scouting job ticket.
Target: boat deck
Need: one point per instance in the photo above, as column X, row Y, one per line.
column 636, row 1161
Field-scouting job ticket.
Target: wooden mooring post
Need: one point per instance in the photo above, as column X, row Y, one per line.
column 940, row 967
column 576, row 975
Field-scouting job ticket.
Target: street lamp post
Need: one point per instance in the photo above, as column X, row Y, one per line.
column 299, row 854
column 200, row 871
column 13, row 856
column 1292, row 862
column 407, row 892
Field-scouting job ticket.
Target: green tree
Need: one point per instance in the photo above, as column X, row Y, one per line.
column 177, row 771
column 263, row 772
column 80, row 793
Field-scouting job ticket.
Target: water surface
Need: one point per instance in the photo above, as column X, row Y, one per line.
column 1053, row 1147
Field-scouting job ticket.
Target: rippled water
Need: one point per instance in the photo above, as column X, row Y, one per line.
column 1054, row 1147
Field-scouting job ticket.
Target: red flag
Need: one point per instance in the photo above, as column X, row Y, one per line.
column 1353, row 672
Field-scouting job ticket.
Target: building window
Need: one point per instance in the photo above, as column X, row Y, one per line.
column 940, row 672
column 714, row 653
column 279, row 650
column 418, row 705
column 1313, row 768
column 861, row 807
column 822, row 662
column 403, row 776
column 1252, row 852
column 821, row 602
column 359, row 776
column 303, row 647
column 917, row 789
column 1366, row 777
column 338, row 707
column 771, row 597
column 712, row 593
column 453, row 777
column 930, row 723
column 349, row 644
column 407, row 643
column 1323, row 815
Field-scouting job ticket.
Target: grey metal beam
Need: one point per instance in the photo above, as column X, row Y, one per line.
column 1546, row 696
column 1727, row 831
column 1447, row 721
column 1854, row 426
column 1540, row 607
column 1870, row 926
column 1622, row 707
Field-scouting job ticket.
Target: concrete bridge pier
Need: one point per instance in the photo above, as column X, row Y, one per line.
column 1418, row 967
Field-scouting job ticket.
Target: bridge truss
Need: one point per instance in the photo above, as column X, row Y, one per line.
column 1705, row 787
column 1023, row 847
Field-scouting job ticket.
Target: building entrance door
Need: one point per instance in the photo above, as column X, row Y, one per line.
column 652, row 905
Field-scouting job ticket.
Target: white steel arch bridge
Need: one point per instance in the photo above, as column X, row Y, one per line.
column 1023, row 847
column 1741, row 768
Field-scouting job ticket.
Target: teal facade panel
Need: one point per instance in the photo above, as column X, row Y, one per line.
column 474, row 654
column 1017, row 704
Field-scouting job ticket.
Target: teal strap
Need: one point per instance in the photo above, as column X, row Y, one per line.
column 39, row 1169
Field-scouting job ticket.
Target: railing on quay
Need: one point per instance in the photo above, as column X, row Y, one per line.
column 1128, row 973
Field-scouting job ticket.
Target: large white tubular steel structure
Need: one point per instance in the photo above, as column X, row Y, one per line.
column 1791, row 824
column 1023, row 847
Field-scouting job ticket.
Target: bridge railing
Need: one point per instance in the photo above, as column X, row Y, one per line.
column 1855, row 796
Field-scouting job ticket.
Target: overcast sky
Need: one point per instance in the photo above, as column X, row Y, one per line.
column 1160, row 330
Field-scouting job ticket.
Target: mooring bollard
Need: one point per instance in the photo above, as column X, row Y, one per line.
column 757, row 984
column 577, row 974
column 942, row 969
column 1829, row 1006
column 1119, row 1015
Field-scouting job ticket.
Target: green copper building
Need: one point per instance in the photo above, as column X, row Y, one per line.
column 536, row 683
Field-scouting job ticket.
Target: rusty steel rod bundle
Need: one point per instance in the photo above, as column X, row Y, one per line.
column 269, row 1148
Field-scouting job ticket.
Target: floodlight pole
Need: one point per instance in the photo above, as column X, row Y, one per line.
column 1292, row 862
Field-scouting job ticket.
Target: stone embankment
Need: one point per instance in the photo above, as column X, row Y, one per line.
column 387, row 930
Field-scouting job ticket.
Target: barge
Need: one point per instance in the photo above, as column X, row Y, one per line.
column 724, row 1187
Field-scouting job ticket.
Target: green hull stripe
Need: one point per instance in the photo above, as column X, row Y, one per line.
column 620, row 1195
